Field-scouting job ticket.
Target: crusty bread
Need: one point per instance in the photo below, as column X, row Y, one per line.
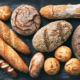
column 76, row 42
column 5, row 13
column 51, row 66
column 11, row 38
column 51, row 36
column 63, row 53
column 25, row 20
column 12, row 57
column 36, row 64
column 60, row 11
column 72, row 66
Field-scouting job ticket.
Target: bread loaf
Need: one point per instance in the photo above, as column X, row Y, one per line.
column 5, row 13
column 12, row 57
column 36, row 64
column 76, row 42
column 49, row 37
column 25, row 20
column 11, row 38
column 60, row 11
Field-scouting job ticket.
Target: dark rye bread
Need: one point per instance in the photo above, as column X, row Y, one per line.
column 52, row 35
column 76, row 42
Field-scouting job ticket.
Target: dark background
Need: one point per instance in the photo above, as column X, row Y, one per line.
column 62, row 75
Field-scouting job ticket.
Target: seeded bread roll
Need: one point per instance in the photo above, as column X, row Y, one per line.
column 25, row 20
column 49, row 37
column 76, row 42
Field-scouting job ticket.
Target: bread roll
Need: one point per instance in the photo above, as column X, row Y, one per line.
column 5, row 13
column 51, row 66
column 63, row 53
column 49, row 37
column 72, row 67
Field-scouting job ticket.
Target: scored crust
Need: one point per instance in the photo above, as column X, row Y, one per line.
column 25, row 20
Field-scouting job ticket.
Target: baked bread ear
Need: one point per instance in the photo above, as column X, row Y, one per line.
column 11, row 38
column 5, row 13
column 12, row 57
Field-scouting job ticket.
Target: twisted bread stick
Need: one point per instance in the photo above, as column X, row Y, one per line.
column 5, row 13
column 12, row 57
column 6, row 67
column 11, row 38
column 60, row 11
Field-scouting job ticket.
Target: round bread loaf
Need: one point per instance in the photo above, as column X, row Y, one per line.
column 51, row 66
column 63, row 53
column 72, row 66
column 76, row 42
column 25, row 20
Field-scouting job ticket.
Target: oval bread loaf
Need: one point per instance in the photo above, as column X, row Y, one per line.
column 52, row 35
column 36, row 64
column 76, row 42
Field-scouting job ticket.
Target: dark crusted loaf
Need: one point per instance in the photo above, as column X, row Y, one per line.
column 76, row 42
column 52, row 35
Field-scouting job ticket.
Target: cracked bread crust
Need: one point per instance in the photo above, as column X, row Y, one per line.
column 51, row 66
column 25, row 20
column 49, row 37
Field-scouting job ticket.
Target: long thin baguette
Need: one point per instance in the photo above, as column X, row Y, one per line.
column 60, row 11
column 12, row 57
column 11, row 38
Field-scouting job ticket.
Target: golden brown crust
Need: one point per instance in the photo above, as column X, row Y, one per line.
column 5, row 13
column 11, row 38
column 63, row 53
column 72, row 66
column 51, row 66
column 60, row 11
column 12, row 57
column 46, row 11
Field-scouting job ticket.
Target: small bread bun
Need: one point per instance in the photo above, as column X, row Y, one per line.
column 63, row 53
column 72, row 66
column 51, row 66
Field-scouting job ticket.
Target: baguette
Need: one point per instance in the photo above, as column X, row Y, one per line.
column 6, row 67
column 12, row 57
column 11, row 38
column 60, row 11
column 5, row 13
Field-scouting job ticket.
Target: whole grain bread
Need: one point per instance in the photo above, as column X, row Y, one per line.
column 52, row 35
